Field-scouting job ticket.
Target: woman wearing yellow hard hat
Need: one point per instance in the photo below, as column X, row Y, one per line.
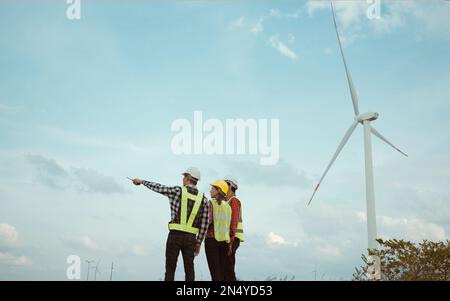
column 218, row 236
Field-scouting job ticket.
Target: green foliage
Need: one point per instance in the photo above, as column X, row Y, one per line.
column 273, row 278
column 406, row 261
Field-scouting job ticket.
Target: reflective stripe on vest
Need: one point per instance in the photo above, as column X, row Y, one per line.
column 240, row 227
column 186, row 226
column 221, row 220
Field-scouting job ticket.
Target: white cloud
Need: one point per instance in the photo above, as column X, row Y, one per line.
column 281, row 175
column 351, row 12
column 431, row 16
column 54, row 175
column 350, row 15
column 276, row 239
column 434, row 17
column 430, row 212
column 88, row 243
column 313, row 6
column 388, row 22
column 81, row 242
column 347, row 12
column 138, row 251
column 274, row 13
column 237, row 23
column 9, row 259
column 49, row 172
column 8, row 234
column 282, row 48
column 9, row 238
column 328, row 251
column 93, row 181
column 257, row 27
column 412, row 229
column 278, row 258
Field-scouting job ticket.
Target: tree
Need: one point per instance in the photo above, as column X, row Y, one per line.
column 405, row 261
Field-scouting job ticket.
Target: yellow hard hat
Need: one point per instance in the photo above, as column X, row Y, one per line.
column 222, row 185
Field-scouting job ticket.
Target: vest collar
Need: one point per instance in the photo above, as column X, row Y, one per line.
column 217, row 201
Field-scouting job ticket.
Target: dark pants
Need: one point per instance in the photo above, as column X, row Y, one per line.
column 216, row 253
column 230, row 275
column 180, row 241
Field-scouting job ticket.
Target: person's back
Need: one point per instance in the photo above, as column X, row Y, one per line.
column 189, row 221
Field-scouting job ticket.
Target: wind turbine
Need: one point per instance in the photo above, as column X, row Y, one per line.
column 96, row 271
column 365, row 119
column 112, row 269
column 315, row 272
column 89, row 268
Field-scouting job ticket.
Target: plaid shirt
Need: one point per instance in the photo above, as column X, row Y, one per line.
column 174, row 194
column 235, row 212
column 210, row 233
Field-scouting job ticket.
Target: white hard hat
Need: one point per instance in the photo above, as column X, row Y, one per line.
column 193, row 172
column 232, row 181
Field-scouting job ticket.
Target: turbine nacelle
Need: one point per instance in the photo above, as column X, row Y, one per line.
column 371, row 116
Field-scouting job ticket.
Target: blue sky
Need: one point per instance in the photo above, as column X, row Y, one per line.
column 86, row 103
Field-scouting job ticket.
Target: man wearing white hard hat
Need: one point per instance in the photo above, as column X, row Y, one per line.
column 189, row 221
column 236, row 228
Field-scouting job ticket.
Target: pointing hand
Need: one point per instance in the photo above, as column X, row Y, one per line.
column 137, row 182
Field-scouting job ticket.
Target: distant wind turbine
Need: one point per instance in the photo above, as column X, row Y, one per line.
column 89, row 268
column 96, row 270
column 365, row 119
column 112, row 269
column 315, row 272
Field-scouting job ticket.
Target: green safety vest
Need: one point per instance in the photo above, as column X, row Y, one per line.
column 240, row 226
column 221, row 220
column 185, row 224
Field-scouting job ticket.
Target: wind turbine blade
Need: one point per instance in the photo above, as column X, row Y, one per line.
column 347, row 72
column 96, row 267
column 376, row 133
column 341, row 145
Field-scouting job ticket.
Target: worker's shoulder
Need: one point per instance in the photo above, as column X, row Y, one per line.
column 235, row 200
column 195, row 191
